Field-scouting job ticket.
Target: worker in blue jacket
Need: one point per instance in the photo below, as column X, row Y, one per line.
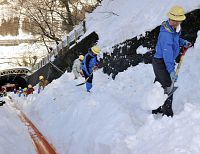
column 88, row 65
column 167, row 50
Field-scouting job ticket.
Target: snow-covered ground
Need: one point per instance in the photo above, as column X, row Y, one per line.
column 14, row 137
column 115, row 117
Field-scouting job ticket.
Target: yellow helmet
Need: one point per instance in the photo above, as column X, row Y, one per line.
column 25, row 89
column 41, row 77
column 20, row 87
column 81, row 57
column 95, row 49
column 29, row 86
column 176, row 13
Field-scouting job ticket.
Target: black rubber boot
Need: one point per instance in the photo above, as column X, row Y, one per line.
column 167, row 107
column 158, row 110
column 2, row 102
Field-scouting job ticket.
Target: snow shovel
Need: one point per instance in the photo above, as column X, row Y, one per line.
column 83, row 82
column 181, row 60
column 177, row 70
column 80, row 84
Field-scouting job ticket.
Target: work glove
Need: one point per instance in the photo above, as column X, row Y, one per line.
column 173, row 76
column 81, row 73
column 95, row 68
column 187, row 44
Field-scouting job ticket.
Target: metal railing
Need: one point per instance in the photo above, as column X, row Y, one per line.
column 67, row 41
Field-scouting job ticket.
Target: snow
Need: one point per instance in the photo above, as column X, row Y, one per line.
column 21, row 36
column 141, row 50
column 19, row 67
column 133, row 18
column 14, row 136
column 17, row 52
column 115, row 117
column 23, row 49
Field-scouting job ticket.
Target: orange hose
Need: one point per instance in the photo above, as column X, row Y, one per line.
column 41, row 145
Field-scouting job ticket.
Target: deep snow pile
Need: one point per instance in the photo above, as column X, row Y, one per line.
column 115, row 117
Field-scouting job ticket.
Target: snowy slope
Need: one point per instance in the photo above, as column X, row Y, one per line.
column 115, row 117
column 132, row 18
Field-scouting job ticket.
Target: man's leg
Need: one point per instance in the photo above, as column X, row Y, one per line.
column 167, row 107
column 163, row 77
column 89, row 81
column 76, row 74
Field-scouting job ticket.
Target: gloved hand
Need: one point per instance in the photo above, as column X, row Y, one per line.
column 81, row 73
column 187, row 44
column 173, row 76
column 95, row 68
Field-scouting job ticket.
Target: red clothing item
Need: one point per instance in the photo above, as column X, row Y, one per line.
column 29, row 91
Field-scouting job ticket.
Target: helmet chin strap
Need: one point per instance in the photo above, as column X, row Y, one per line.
column 178, row 28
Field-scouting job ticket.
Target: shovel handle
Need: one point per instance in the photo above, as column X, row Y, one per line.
column 181, row 60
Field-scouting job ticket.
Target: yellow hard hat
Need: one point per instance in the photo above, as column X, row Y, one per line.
column 176, row 13
column 41, row 77
column 20, row 87
column 95, row 49
column 25, row 89
column 81, row 57
column 29, row 86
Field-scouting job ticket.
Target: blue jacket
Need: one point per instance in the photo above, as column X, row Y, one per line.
column 168, row 45
column 89, row 62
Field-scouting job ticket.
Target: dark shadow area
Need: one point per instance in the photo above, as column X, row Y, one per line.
column 13, row 79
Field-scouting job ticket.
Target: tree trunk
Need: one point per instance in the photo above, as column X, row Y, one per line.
column 69, row 14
